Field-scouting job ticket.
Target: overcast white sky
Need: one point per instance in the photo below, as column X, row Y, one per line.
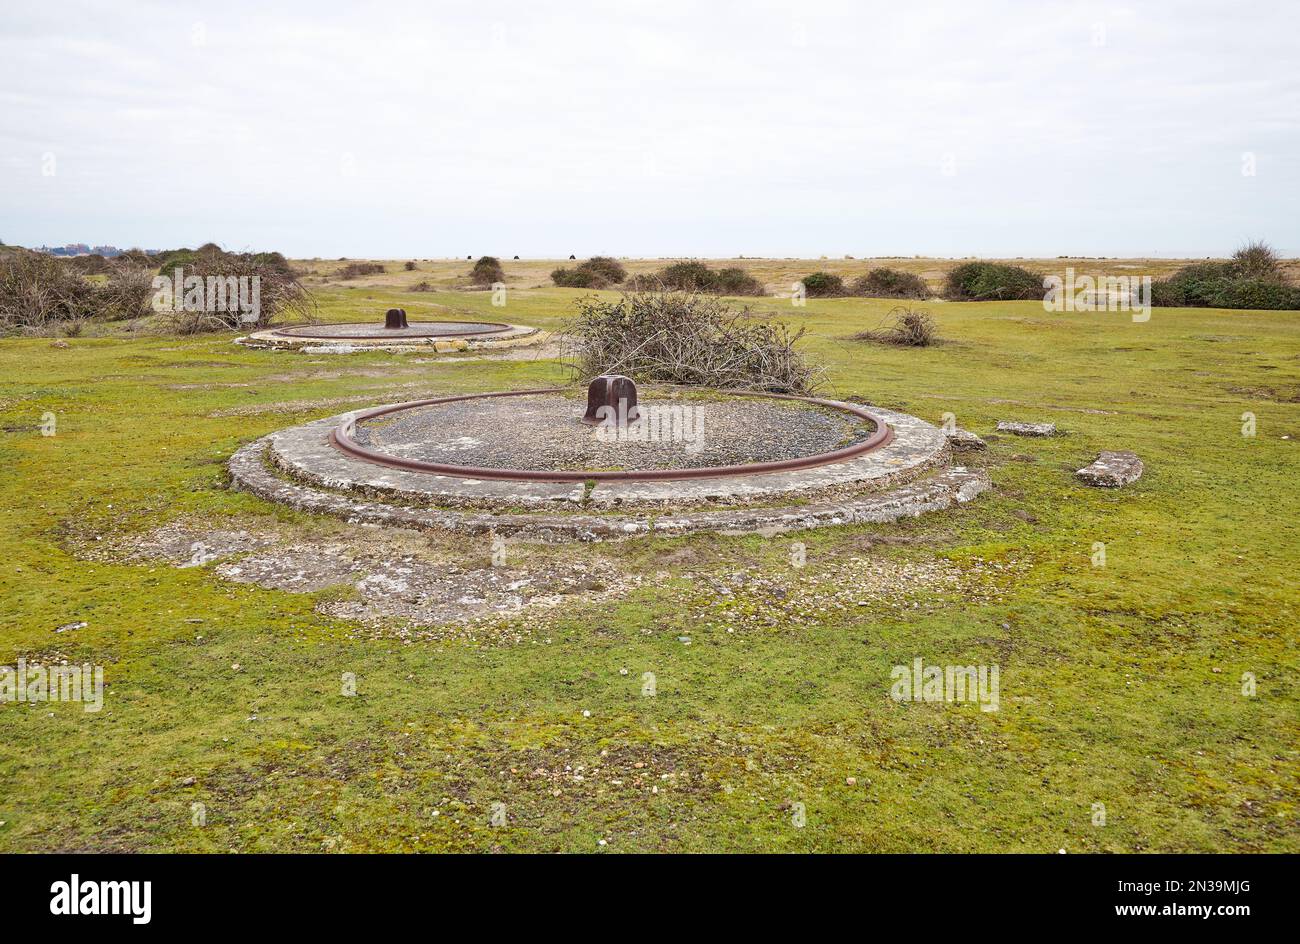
column 652, row 128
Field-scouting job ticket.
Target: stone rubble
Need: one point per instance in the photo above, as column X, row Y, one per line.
column 1016, row 428
column 963, row 440
column 1112, row 470
column 403, row 595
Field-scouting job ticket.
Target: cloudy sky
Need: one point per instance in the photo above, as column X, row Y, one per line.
column 653, row 128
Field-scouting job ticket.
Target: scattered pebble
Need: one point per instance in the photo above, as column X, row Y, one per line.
column 752, row 599
column 407, row 595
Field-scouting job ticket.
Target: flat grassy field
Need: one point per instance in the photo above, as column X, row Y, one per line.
column 226, row 726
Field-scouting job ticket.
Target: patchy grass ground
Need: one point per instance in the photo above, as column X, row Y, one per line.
column 1120, row 685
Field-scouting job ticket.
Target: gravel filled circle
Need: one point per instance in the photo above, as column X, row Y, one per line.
column 367, row 331
column 542, row 432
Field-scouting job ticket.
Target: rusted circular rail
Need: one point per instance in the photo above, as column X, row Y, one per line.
column 409, row 331
column 341, row 438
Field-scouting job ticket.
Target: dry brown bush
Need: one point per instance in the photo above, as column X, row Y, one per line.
column 910, row 327
column 41, row 294
column 280, row 292
column 685, row 338
column 693, row 276
column 357, row 269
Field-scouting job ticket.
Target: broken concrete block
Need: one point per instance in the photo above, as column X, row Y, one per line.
column 1112, row 470
column 962, row 440
column 1026, row 429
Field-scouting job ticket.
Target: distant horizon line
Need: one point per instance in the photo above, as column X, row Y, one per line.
column 820, row 257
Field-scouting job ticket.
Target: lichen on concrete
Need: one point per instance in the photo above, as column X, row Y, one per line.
column 1016, row 428
column 1112, row 470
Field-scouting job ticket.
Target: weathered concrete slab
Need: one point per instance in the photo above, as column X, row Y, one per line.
column 305, row 453
column 512, row 336
column 250, row 470
column 1026, row 429
column 917, row 448
column 963, row 440
column 1112, row 470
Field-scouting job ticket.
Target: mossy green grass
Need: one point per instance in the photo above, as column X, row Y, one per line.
column 1121, row 685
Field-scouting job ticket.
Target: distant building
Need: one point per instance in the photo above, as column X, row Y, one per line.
column 81, row 249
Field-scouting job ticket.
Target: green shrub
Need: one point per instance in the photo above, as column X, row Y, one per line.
column 985, row 281
column 1262, row 294
column 271, row 263
column 171, row 258
column 692, row 276
column 1257, row 260
column 1167, row 294
column 684, row 277
column 610, row 269
column 1192, row 285
column 487, row 271
column 890, row 283
column 596, row 272
column 823, row 285
column 279, row 291
column 578, row 278
column 736, row 281
column 1252, row 278
column 357, row 269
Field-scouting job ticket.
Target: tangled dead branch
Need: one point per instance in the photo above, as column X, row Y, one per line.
column 909, row 327
column 685, row 338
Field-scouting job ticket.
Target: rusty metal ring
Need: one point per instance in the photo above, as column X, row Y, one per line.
column 475, row 329
column 341, row 438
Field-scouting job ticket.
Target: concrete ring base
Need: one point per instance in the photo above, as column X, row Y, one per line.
column 909, row 476
column 305, row 454
column 250, row 472
column 512, row 336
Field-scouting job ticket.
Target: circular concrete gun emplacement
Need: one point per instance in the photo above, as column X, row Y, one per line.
column 395, row 333
column 614, row 461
